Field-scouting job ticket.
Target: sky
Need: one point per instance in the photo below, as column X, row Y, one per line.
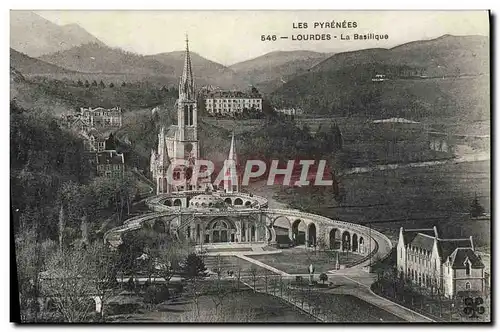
column 229, row 37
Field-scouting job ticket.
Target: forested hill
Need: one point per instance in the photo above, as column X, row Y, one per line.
column 447, row 76
column 42, row 158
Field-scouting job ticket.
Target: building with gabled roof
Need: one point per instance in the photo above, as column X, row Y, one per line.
column 442, row 266
column 110, row 163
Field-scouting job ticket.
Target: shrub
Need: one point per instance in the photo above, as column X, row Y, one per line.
column 323, row 277
column 156, row 294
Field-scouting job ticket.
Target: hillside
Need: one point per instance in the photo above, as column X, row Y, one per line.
column 29, row 66
column 94, row 61
column 270, row 70
column 33, row 35
column 444, row 56
column 204, row 70
column 96, row 58
column 342, row 85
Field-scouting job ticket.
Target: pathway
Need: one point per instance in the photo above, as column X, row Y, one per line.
column 265, row 266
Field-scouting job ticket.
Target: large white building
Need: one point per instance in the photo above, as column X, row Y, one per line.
column 450, row 267
column 102, row 117
column 180, row 145
column 232, row 102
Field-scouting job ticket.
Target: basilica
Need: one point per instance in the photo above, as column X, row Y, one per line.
column 178, row 146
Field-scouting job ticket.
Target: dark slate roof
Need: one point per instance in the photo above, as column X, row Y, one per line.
column 423, row 241
column 458, row 257
column 410, row 234
column 110, row 157
column 447, row 246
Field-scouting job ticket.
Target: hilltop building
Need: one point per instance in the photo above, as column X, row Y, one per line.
column 178, row 146
column 450, row 267
column 101, row 117
column 292, row 112
column 110, row 163
column 94, row 125
column 232, row 102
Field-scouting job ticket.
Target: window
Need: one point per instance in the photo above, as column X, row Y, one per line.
column 467, row 268
column 467, row 286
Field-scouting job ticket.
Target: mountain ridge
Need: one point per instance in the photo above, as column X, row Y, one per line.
column 35, row 36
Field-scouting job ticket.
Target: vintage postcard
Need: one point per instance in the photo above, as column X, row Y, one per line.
column 250, row 166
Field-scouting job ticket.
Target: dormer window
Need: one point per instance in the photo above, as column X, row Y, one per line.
column 467, row 267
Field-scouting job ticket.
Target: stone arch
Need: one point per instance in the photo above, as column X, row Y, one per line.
column 221, row 230
column 346, row 241
column 168, row 202
column 248, row 203
column 362, row 245
column 238, row 201
column 228, row 201
column 177, row 202
column 311, row 234
column 334, row 233
column 282, row 226
column 354, row 242
column 299, row 231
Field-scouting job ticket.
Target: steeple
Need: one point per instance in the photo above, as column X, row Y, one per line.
column 164, row 160
column 164, row 153
column 232, row 152
column 231, row 184
column 186, row 85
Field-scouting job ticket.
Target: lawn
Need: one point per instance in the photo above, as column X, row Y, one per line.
column 346, row 308
column 233, row 263
column 244, row 306
column 297, row 260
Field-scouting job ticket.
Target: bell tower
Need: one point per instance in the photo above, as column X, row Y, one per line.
column 187, row 113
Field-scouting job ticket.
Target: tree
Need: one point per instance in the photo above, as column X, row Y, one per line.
column 194, row 267
column 193, row 270
column 476, row 210
column 61, row 227
column 66, row 282
column 102, row 265
column 217, row 289
column 30, row 259
column 323, row 277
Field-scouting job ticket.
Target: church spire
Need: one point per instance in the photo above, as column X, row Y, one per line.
column 165, row 160
column 232, row 152
column 231, row 184
column 186, row 85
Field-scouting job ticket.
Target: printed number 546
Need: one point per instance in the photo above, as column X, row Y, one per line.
column 268, row 38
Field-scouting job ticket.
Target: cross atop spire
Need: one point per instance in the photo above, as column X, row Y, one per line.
column 186, row 85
